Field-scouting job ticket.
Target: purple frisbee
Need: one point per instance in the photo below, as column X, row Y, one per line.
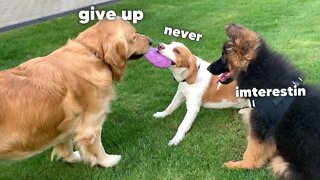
column 156, row 59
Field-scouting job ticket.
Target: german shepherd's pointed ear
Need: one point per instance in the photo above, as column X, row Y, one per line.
column 242, row 45
column 116, row 55
column 193, row 70
column 231, row 30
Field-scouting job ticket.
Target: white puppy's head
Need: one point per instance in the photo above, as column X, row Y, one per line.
column 181, row 57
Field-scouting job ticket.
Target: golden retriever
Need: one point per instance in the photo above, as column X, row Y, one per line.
column 63, row 97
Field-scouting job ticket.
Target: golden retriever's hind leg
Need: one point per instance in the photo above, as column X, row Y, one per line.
column 65, row 151
column 257, row 153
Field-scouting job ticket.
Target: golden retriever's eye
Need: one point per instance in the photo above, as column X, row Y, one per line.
column 176, row 51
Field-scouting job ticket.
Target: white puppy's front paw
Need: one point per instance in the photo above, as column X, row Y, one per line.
column 110, row 161
column 176, row 140
column 159, row 115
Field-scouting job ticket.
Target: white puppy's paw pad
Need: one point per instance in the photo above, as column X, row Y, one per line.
column 159, row 115
column 110, row 161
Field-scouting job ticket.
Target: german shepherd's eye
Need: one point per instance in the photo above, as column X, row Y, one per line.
column 222, row 57
column 176, row 51
column 224, row 61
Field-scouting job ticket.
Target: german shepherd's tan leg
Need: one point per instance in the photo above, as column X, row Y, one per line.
column 257, row 153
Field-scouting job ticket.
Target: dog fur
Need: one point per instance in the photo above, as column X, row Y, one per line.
column 63, row 97
column 293, row 144
column 196, row 86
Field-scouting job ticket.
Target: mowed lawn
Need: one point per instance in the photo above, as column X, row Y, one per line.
column 290, row 27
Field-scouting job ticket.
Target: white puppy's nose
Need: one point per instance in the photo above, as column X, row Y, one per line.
column 161, row 46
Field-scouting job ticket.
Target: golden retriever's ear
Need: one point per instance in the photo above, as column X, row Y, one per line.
column 193, row 70
column 91, row 39
column 115, row 54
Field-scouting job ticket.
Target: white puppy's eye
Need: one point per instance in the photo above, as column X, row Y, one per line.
column 176, row 51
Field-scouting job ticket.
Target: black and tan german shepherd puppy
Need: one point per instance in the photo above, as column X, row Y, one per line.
column 286, row 129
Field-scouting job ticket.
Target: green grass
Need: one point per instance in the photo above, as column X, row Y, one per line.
column 289, row 27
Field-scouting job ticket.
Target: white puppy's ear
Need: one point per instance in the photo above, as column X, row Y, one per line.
column 193, row 70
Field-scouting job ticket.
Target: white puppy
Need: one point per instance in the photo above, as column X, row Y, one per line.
column 197, row 86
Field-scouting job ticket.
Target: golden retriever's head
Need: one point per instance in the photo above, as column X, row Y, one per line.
column 237, row 53
column 181, row 57
column 115, row 41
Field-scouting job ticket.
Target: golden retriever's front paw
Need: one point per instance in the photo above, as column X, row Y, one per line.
column 110, row 161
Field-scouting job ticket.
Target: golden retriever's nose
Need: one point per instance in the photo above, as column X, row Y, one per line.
column 150, row 41
column 161, row 46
